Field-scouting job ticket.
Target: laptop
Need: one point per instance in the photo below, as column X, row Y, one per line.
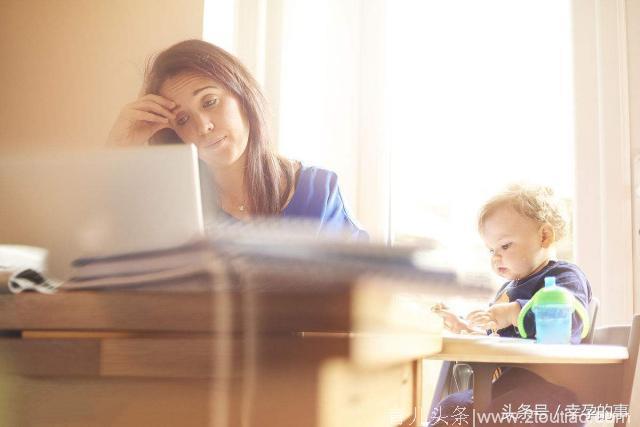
column 100, row 202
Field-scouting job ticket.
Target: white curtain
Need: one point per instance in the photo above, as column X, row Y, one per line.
column 320, row 64
column 604, row 229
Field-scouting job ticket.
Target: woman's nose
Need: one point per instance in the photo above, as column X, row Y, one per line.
column 205, row 125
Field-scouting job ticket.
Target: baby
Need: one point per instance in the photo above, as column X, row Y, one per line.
column 520, row 228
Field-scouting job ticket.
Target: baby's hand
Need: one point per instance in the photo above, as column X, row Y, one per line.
column 451, row 321
column 498, row 316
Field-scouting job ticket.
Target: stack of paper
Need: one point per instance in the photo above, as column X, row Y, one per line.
column 280, row 247
column 141, row 268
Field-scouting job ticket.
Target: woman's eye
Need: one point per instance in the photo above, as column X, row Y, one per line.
column 506, row 246
column 491, row 252
column 182, row 120
column 210, row 102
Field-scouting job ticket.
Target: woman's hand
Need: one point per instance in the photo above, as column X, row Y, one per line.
column 498, row 316
column 139, row 120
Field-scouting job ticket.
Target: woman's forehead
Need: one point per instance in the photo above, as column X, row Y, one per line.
column 187, row 84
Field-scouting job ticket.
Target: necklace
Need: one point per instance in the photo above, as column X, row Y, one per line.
column 225, row 200
column 242, row 207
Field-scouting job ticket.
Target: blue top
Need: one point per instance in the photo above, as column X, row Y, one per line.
column 567, row 275
column 317, row 196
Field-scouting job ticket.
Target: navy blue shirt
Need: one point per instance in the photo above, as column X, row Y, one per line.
column 567, row 275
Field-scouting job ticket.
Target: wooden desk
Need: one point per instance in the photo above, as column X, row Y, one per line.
column 588, row 370
column 205, row 353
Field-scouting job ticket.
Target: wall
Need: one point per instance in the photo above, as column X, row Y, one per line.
column 633, row 55
column 68, row 66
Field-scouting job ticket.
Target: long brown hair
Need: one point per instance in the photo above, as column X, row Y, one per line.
column 265, row 170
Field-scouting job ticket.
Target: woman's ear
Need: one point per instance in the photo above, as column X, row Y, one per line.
column 547, row 235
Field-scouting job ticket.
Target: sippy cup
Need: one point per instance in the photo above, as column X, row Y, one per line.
column 553, row 307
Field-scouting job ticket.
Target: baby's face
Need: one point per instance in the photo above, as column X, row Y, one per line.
column 515, row 243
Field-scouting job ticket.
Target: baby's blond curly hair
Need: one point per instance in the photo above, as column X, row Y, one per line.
column 535, row 202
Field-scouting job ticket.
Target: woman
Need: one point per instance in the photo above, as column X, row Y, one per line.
column 197, row 93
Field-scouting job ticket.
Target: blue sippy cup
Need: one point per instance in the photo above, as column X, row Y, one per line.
column 553, row 307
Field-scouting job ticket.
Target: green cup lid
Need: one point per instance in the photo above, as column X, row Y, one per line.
column 552, row 294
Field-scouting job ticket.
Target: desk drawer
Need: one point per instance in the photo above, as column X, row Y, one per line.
column 366, row 397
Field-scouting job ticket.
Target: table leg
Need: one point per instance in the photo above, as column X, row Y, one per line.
column 482, row 380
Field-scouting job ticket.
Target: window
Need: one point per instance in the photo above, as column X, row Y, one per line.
column 480, row 96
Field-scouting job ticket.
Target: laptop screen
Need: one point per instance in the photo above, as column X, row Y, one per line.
column 99, row 202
